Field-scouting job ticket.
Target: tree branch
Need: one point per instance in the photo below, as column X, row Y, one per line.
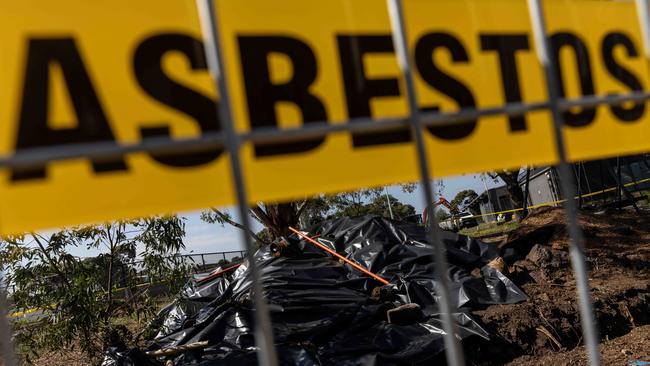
column 50, row 261
column 229, row 221
column 110, row 273
column 56, row 269
column 262, row 216
column 302, row 208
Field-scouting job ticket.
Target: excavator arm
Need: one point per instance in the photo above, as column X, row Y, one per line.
column 441, row 201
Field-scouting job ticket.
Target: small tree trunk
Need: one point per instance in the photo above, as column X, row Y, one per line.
column 110, row 282
column 277, row 218
column 517, row 195
column 109, row 306
column 510, row 178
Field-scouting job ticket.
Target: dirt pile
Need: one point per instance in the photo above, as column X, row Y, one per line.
column 625, row 350
column 547, row 326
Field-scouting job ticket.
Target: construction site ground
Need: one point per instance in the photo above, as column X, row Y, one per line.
column 545, row 330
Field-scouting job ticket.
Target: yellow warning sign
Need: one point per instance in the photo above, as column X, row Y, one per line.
column 115, row 71
column 294, row 62
column 119, row 72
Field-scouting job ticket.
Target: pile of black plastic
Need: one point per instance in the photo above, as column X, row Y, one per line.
column 324, row 312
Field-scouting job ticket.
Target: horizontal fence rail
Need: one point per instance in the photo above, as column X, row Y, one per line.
column 201, row 261
column 35, row 157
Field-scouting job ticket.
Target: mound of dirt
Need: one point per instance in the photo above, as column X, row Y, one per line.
column 549, row 225
column 547, row 327
column 630, row 349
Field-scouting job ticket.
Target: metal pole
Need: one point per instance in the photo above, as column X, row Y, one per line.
column 602, row 181
column 6, row 345
column 589, row 329
column 263, row 330
column 627, row 192
column 526, row 192
column 619, row 191
column 643, row 12
column 453, row 348
column 35, row 157
column 579, row 182
column 584, row 173
column 487, row 193
column 390, row 209
column 627, row 162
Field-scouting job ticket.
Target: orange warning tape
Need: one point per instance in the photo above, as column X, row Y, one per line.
column 337, row 255
column 216, row 274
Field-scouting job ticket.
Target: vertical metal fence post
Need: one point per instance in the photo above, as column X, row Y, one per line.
column 6, row 345
column 643, row 12
column 452, row 346
column 526, row 193
column 390, row 208
column 602, row 181
column 619, row 188
column 589, row 330
column 579, row 183
column 263, row 331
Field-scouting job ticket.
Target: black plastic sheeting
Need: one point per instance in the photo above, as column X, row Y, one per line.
column 323, row 311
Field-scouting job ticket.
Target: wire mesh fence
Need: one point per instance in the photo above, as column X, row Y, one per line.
column 197, row 263
column 416, row 122
column 205, row 262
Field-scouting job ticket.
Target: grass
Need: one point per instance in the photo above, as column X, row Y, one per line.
column 490, row 228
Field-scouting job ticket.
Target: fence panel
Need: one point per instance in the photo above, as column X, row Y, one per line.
column 244, row 145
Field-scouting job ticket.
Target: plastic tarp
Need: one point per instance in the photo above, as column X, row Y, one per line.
column 324, row 311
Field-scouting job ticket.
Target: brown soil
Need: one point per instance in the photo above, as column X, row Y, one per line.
column 64, row 357
column 546, row 328
column 72, row 356
column 623, row 350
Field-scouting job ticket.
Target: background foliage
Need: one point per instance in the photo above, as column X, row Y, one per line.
column 80, row 300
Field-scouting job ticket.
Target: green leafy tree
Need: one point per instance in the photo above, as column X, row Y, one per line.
column 442, row 215
column 275, row 217
column 354, row 203
column 466, row 200
column 278, row 217
column 377, row 206
column 81, row 299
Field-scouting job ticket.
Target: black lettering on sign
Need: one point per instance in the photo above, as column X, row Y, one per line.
column 34, row 130
column 262, row 94
column 444, row 83
column 359, row 89
column 624, row 75
column 147, row 65
column 507, row 45
column 559, row 41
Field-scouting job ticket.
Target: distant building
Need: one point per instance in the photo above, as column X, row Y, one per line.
column 544, row 185
column 494, row 200
column 591, row 177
